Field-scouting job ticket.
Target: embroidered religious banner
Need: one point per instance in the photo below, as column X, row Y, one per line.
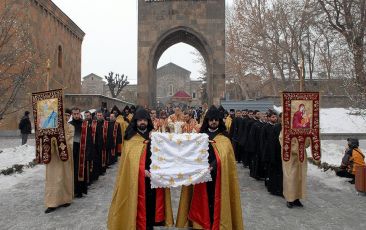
column 179, row 159
column 49, row 125
column 301, row 121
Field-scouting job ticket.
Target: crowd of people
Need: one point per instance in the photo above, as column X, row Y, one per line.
column 135, row 205
column 94, row 144
column 96, row 141
column 255, row 138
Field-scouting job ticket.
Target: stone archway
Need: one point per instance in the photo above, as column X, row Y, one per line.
column 162, row 24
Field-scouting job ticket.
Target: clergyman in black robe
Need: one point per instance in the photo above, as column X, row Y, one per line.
column 254, row 148
column 249, row 147
column 234, row 134
column 272, row 155
column 80, row 187
column 114, row 140
column 90, row 150
column 99, row 146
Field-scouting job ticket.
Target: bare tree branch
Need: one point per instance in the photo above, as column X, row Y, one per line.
column 116, row 83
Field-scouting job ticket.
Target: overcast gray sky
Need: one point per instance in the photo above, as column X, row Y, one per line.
column 110, row 43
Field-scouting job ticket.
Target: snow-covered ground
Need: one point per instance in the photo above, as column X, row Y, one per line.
column 332, row 202
column 10, row 142
column 333, row 151
column 16, row 155
column 339, row 120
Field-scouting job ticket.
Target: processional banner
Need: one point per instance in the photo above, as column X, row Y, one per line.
column 179, row 159
column 301, row 121
column 49, row 125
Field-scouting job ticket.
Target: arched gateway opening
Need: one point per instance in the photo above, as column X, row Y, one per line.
column 173, row 37
column 181, row 77
column 163, row 24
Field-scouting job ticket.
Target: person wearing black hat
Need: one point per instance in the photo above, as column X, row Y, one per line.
column 135, row 204
column 131, row 113
column 25, row 127
column 224, row 184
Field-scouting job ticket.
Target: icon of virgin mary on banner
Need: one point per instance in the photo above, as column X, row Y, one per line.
column 49, row 125
column 301, row 121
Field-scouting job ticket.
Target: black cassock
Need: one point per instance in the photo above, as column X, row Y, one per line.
column 234, row 135
column 242, row 138
column 112, row 143
column 211, row 185
column 273, row 159
column 255, row 148
column 245, row 127
column 150, row 193
column 80, row 187
column 248, row 147
column 89, row 154
column 99, row 145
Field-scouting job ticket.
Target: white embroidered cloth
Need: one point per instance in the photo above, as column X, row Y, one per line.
column 179, row 159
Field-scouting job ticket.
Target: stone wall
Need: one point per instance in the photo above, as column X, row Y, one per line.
column 82, row 101
column 325, row 101
column 92, row 84
column 196, row 93
column 162, row 24
column 90, row 101
column 55, row 37
column 171, row 79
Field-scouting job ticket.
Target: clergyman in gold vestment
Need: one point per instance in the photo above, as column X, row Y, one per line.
column 59, row 188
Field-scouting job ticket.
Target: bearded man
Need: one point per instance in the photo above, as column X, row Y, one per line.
column 216, row 204
column 135, row 205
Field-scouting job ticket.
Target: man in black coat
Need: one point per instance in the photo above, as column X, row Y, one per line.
column 234, row 134
column 25, row 127
column 80, row 187
column 272, row 155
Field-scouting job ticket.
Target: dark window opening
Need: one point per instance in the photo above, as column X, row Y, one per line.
column 59, row 58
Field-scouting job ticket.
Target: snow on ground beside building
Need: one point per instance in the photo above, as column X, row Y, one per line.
column 329, row 179
column 333, row 151
column 17, row 155
column 10, row 142
column 339, row 120
column 16, row 178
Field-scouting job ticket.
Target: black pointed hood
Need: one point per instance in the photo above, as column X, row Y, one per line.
column 213, row 112
column 140, row 113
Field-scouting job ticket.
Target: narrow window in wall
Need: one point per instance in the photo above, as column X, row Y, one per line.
column 59, row 57
column 171, row 90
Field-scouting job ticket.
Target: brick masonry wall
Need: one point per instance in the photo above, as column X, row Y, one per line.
column 50, row 29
